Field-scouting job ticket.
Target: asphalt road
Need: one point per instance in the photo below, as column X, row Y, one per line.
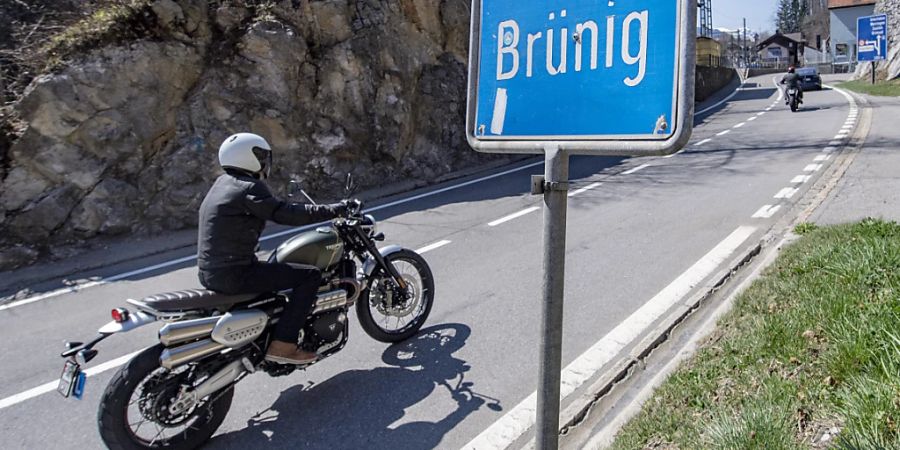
column 635, row 234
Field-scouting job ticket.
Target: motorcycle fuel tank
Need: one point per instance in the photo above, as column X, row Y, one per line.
column 321, row 248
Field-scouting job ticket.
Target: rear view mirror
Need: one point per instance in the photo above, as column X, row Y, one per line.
column 349, row 185
column 293, row 188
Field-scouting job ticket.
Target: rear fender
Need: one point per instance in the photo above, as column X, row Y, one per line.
column 136, row 319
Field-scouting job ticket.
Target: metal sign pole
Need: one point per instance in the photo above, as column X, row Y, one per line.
column 555, row 190
column 873, row 72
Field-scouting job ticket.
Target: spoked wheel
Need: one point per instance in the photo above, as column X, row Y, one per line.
column 389, row 313
column 138, row 409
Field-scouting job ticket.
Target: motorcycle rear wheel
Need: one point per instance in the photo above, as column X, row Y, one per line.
column 376, row 308
column 116, row 423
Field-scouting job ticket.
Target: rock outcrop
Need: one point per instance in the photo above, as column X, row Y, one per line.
column 123, row 139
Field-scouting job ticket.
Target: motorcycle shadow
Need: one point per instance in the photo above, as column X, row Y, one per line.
column 360, row 408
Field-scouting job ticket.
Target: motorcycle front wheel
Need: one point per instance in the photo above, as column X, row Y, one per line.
column 386, row 313
column 135, row 409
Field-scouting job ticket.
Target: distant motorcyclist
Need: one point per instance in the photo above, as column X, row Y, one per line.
column 792, row 80
column 232, row 217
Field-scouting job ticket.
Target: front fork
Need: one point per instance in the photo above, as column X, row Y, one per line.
column 382, row 261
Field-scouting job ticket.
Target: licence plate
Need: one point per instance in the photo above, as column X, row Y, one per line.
column 71, row 382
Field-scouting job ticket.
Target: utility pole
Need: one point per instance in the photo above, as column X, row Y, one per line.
column 744, row 45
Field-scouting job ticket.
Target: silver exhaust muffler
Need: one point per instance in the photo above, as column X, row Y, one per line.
column 174, row 357
column 188, row 330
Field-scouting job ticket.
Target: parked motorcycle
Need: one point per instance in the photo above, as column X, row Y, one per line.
column 176, row 393
column 793, row 99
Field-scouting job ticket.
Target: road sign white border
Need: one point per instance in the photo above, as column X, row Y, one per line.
column 606, row 145
column 887, row 43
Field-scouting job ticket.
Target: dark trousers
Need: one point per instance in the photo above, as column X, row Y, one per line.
column 261, row 277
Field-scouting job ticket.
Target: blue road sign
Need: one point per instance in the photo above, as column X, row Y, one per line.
column 872, row 38
column 598, row 77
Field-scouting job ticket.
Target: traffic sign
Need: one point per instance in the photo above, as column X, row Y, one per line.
column 872, row 38
column 586, row 76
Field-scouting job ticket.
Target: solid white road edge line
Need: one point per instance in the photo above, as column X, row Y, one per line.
column 518, row 420
column 174, row 262
column 634, row 170
column 51, row 385
column 431, row 247
column 717, row 104
column 513, row 216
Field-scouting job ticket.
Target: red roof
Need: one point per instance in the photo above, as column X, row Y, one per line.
column 833, row 4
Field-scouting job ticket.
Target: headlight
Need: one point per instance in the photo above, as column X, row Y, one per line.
column 369, row 224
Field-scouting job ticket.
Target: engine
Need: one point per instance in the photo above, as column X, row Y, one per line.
column 325, row 331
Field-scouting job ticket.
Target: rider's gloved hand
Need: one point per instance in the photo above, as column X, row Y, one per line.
column 339, row 209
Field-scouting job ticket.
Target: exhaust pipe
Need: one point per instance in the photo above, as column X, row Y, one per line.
column 179, row 332
column 177, row 356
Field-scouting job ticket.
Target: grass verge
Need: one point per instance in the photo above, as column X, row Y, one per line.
column 808, row 358
column 882, row 88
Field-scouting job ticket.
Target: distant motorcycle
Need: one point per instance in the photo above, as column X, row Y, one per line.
column 794, row 98
column 176, row 393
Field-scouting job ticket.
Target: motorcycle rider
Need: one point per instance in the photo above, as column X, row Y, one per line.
column 231, row 219
column 792, row 80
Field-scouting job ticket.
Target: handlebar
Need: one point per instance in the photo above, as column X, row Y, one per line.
column 353, row 208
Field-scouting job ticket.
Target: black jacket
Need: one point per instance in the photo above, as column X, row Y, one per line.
column 233, row 216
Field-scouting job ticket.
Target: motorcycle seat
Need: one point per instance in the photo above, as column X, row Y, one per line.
column 190, row 299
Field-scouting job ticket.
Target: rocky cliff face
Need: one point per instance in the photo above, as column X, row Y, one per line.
column 123, row 139
column 890, row 68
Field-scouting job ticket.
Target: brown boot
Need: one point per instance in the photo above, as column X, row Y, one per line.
column 286, row 353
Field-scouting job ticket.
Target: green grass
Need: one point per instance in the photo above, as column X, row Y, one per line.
column 881, row 88
column 811, row 346
column 113, row 21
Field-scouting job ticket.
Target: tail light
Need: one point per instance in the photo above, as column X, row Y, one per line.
column 119, row 315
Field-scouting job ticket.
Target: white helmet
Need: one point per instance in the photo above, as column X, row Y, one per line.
column 246, row 151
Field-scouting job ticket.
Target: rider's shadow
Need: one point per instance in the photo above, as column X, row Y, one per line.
column 360, row 408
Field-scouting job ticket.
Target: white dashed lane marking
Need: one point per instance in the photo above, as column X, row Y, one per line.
column 431, row 247
column 513, row 216
column 636, row 169
column 812, row 167
column 786, row 193
column 766, row 211
column 585, row 189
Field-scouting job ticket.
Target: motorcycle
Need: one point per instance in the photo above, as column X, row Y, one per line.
column 793, row 99
column 175, row 394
